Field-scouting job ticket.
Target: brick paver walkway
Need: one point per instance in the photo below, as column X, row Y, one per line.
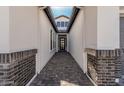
column 61, row 70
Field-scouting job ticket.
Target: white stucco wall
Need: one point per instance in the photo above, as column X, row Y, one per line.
column 44, row 40
column 4, row 29
column 23, row 27
column 90, row 14
column 76, row 47
column 29, row 29
column 108, row 27
column 100, row 30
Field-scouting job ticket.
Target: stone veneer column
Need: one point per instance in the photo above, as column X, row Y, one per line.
column 104, row 66
column 17, row 68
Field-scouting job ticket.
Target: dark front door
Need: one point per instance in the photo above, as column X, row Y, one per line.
column 62, row 43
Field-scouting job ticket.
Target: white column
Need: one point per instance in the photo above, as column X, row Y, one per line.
column 108, row 27
column 4, row 29
column 90, row 22
column 102, row 27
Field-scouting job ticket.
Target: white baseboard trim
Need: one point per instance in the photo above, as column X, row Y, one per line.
column 31, row 80
column 91, row 80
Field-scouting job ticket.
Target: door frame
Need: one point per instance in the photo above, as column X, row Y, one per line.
column 65, row 42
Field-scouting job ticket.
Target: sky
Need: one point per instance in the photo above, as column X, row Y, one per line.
column 57, row 11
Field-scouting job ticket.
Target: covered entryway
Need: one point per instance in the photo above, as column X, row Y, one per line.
column 90, row 39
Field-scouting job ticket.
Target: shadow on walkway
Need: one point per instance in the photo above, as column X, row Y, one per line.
column 61, row 70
